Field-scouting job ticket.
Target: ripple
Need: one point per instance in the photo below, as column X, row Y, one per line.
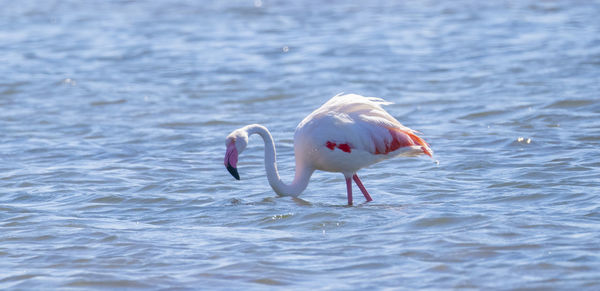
column 568, row 104
column 87, row 283
column 110, row 102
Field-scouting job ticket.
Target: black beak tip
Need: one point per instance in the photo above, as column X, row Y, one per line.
column 233, row 171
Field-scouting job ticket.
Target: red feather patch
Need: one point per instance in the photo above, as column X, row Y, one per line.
column 330, row 145
column 403, row 139
column 345, row 147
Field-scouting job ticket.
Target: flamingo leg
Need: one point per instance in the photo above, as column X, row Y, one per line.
column 362, row 188
column 349, row 188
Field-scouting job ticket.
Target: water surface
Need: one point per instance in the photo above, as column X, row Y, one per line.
column 113, row 116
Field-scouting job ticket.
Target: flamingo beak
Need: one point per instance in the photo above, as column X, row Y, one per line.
column 231, row 159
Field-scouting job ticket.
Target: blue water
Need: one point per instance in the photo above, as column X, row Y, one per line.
column 113, row 116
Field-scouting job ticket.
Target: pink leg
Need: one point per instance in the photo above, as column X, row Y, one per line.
column 362, row 188
column 349, row 188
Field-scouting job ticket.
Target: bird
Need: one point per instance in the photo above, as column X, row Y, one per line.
column 347, row 133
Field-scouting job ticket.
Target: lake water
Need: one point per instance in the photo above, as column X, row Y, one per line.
column 113, row 116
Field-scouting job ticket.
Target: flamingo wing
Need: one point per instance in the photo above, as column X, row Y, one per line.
column 353, row 122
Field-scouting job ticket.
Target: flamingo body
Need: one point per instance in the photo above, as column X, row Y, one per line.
column 347, row 133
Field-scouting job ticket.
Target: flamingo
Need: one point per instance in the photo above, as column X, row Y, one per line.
column 347, row 133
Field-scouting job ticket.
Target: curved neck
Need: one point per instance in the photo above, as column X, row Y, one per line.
column 302, row 173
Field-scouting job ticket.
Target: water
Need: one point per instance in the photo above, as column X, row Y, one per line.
column 113, row 116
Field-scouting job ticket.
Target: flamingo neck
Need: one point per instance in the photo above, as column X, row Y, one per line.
column 301, row 177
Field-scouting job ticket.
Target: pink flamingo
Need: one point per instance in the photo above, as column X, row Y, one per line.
column 347, row 133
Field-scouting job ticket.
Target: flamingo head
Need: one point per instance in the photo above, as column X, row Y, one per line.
column 236, row 143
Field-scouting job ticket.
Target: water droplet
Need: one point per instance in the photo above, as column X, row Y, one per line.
column 70, row 81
